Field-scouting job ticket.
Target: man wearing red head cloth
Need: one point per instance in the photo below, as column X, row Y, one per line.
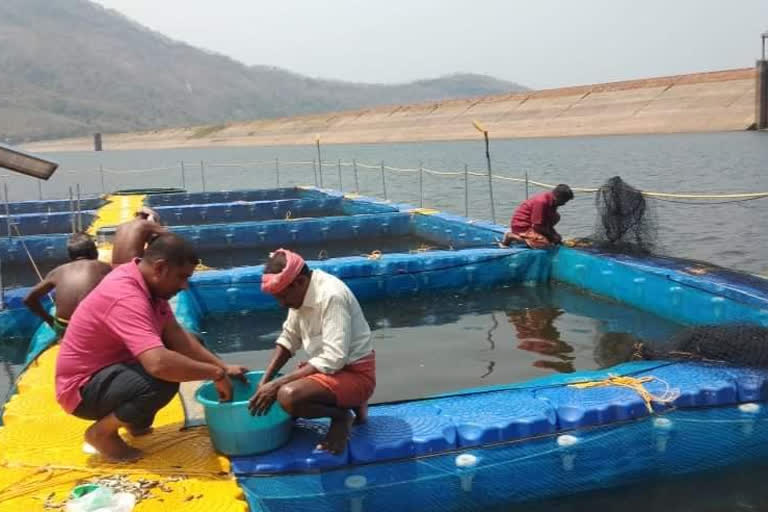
column 325, row 319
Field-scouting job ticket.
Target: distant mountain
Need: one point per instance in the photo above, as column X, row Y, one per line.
column 72, row 67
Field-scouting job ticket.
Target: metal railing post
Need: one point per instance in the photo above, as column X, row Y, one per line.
column 383, row 181
column 490, row 177
column 277, row 171
column 101, row 171
column 466, row 191
column 526, row 184
column 421, row 184
column 341, row 187
column 72, row 210
column 314, row 170
column 79, row 212
column 357, row 180
column 202, row 174
column 7, row 209
column 40, row 189
column 183, row 176
column 319, row 162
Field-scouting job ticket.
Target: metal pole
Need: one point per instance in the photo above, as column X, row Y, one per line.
column 383, row 181
column 490, row 176
column 103, row 188
column 319, row 162
column 421, row 184
column 2, row 294
column 341, row 187
column 314, row 170
column 72, row 210
column 763, row 37
column 466, row 191
column 7, row 209
column 202, row 174
column 40, row 189
column 79, row 212
column 277, row 171
column 526, row 184
column 357, row 180
column 183, row 176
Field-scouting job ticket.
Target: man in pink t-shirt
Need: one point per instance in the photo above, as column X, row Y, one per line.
column 533, row 222
column 124, row 354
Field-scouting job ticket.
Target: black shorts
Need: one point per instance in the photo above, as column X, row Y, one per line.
column 126, row 390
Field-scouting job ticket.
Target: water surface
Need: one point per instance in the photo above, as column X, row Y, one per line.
column 730, row 234
column 438, row 343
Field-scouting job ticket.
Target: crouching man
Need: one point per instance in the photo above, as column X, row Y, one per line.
column 124, row 354
column 325, row 319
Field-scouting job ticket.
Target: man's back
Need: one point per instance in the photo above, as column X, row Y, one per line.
column 130, row 239
column 538, row 210
column 73, row 281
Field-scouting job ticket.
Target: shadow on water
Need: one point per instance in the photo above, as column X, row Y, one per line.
column 536, row 332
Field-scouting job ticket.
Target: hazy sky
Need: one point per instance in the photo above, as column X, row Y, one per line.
column 538, row 43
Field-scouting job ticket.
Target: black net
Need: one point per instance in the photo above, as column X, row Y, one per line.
column 625, row 220
column 739, row 344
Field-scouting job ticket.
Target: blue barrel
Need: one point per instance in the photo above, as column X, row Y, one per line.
column 233, row 430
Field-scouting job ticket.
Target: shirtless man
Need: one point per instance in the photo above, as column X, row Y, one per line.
column 72, row 282
column 132, row 237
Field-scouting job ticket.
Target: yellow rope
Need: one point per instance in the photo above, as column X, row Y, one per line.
column 636, row 385
column 424, row 211
column 669, row 195
column 422, row 248
column 377, row 167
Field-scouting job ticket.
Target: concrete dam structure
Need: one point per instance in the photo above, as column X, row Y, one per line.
column 701, row 102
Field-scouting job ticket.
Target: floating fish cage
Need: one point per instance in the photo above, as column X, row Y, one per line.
column 479, row 447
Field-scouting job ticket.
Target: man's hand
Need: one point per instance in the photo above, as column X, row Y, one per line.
column 236, row 371
column 264, row 397
column 223, row 388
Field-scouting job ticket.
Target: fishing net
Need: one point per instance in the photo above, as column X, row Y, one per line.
column 739, row 344
column 625, row 221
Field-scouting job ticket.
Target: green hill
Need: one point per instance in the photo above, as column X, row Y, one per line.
column 72, row 67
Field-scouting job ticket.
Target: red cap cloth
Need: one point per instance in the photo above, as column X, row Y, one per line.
column 276, row 283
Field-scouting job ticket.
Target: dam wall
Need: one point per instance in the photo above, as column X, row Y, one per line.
column 701, row 102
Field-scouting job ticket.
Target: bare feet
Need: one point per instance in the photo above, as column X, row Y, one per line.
column 361, row 414
column 110, row 445
column 138, row 432
column 336, row 439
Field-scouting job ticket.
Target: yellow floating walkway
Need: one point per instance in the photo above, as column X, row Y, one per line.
column 41, row 455
column 117, row 210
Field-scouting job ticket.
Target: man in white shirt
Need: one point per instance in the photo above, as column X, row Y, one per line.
column 325, row 319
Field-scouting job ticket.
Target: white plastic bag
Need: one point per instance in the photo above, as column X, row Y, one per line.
column 102, row 499
column 121, row 502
